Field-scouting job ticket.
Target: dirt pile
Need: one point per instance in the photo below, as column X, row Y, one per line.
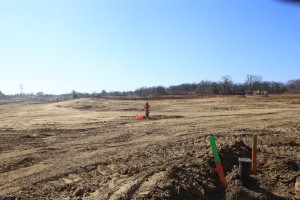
column 189, row 179
column 186, row 181
column 200, row 180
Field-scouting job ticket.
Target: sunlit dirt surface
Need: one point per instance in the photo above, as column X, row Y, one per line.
column 94, row 149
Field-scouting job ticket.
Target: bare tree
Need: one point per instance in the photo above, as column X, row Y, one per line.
column 40, row 94
column 226, row 84
column 208, row 87
column 293, row 86
column 74, row 94
column 253, row 82
column 104, row 93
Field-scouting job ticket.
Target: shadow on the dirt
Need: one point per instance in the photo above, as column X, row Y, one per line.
column 254, row 186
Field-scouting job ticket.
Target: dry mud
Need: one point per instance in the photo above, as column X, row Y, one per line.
column 94, row 149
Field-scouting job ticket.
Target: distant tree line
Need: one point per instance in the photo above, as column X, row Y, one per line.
column 252, row 83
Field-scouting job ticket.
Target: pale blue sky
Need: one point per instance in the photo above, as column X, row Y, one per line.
column 56, row 46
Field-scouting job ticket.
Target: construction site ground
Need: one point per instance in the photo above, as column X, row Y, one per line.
column 94, row 149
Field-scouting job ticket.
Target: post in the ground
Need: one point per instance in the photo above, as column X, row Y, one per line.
column 218, row 162
column 254, row 154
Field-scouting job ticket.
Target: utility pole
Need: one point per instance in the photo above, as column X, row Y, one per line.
column 21, row 89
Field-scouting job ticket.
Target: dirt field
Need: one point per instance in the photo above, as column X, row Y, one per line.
column 93, row 149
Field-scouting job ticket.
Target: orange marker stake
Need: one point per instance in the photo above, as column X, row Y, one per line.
column 218, row 162
column 254, row 154
column 221, row 175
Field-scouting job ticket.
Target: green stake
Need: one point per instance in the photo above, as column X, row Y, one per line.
column 214, row 149
column 254, row 142
column 218, row 162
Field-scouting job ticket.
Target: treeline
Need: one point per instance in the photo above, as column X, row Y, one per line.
column 252, row 84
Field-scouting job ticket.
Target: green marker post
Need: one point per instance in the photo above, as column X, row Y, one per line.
column 218, row 162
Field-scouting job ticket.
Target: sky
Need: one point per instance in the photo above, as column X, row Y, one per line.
column 56, row 46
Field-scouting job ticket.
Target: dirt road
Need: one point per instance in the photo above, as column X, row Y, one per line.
column 93, row 149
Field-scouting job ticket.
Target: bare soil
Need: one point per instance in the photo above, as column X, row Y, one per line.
column 94, row 149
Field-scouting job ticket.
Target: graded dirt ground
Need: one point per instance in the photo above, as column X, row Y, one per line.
column 94, row 149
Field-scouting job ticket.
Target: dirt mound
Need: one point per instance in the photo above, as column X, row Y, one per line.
column 239, row 192
column 200, row 180
column 186, row 181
